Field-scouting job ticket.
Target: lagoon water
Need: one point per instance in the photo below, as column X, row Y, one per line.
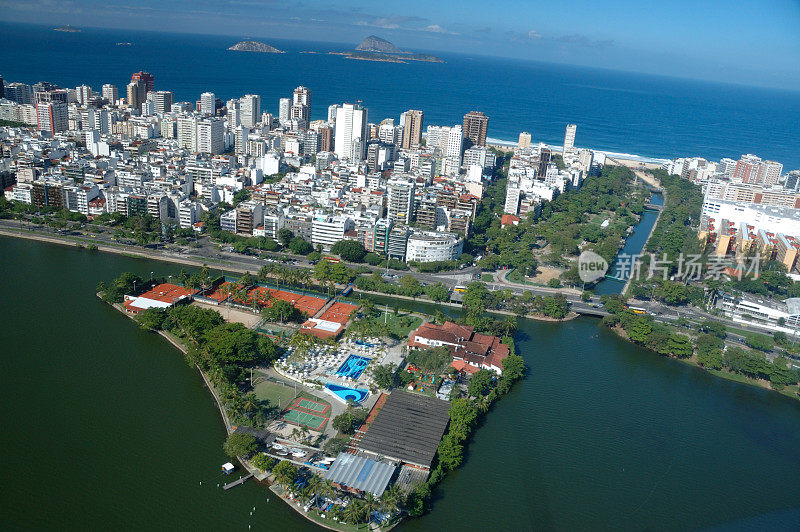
column 105, row 426
column 621, row 112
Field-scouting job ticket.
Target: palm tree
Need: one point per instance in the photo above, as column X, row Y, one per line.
column 249, row 403
column 390, row 500
column 353, row 512
column 370, row 504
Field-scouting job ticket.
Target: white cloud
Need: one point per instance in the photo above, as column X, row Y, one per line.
column 533, row 34
column 434, row 28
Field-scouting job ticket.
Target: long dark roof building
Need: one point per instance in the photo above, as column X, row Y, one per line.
column 408, row 428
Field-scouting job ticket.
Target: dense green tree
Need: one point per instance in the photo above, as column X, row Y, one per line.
column 233, row 343
column 298, row 246
column 451, row 452
column 152, row 319
column 285, row 236
column 759, row 341
column 680, row 346
column 281, row 311
column 348, row 421
column 385, row 376
column 437, row 292
column 480, row 383
column 430, row 360
column 285, row 473
column 349, row 250
column 239, row 444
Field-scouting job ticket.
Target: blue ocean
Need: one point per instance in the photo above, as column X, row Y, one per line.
column 622, row 112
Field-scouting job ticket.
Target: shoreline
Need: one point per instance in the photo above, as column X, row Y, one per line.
column 263, row 478
column 233, row 268
column 719, row 373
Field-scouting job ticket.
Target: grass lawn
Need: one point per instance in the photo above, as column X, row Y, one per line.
column 275, row 393
column 516, row 277
column 401, row 324
column 487, row 277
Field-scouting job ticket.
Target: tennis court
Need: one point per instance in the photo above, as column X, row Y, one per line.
column 310, row 406
column 305, row 419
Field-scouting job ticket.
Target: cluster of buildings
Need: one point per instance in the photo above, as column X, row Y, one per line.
column 471, row 351
column 534, row 176
column 404, row 191
column 749, row 206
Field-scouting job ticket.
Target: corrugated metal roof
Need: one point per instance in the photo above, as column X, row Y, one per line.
column 360, row 473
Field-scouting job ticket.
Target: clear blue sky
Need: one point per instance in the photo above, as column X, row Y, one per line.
column 739, row 41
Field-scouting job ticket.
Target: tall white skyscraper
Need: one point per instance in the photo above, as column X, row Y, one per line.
column 110, row 93
column 569, row 137
column 350, row 132
column 162, row 101
column 250, row 108
column 187, row 132
column 208, row 103
column 332, row 112
column 455, row 141
column 210, row 136
column 234, row 113
column 84, row 94
column 284, row 110
column 302, row 95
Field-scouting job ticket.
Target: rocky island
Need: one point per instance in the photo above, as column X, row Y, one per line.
column 255, row 46
column 374, row 48
column 373, row 43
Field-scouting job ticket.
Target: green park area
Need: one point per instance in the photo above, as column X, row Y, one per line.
column 278, row 395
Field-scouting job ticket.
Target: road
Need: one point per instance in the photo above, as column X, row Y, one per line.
column 209, row 253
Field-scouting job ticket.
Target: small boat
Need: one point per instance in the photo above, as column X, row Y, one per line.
column 228, row 468
column 278, row 447
column 123, row 44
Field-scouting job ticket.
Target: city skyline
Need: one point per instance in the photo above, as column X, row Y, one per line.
column 610, row 36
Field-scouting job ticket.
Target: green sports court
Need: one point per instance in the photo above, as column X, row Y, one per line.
column 307, row 413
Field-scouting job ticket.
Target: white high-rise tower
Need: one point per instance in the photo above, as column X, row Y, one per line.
column 350, row 132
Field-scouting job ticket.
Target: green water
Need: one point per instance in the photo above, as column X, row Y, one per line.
column 105, row 426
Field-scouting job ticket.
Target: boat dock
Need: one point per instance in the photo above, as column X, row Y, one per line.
column 241, row 480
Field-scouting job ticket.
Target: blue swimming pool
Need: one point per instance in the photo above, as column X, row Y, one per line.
column 343, row 393
column 353, row 367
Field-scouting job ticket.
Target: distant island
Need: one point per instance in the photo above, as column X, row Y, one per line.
column 68, row 29
column 374, row 48
column 255, row 46
column 373, row 43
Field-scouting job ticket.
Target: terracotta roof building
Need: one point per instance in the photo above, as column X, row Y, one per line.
column 467, row 347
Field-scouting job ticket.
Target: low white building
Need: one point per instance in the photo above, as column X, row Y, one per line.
column 428, row 246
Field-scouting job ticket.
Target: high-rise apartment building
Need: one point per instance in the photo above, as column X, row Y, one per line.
column 84, row 94
column 332, row 112
column 52, row 116
column 146, row 79
column 187, row 132
column 136, row 94
column 284, row 111
column 400, row 206
column 302, row 95
column 210, row 136
column 250, row 110
column 747, row 168
column 524, row 140
column 162, row 101
column 350, row 132
column 110, row 93
column 208, row 103
column 474, row 129
column 412, row 121
column 569, row 137
column 19, row 92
